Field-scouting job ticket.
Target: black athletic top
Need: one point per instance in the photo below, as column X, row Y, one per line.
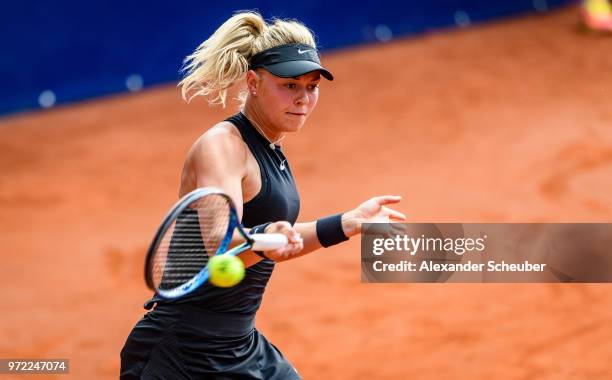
column 277, row 200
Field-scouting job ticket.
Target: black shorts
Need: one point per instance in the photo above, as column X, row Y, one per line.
column 184, row 342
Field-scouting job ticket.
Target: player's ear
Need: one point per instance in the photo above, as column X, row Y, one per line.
column 252, row 80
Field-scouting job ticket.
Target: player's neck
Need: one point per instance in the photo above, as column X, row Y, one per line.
column 256, row 118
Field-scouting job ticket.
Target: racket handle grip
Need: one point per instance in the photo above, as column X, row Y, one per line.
column 268, row 242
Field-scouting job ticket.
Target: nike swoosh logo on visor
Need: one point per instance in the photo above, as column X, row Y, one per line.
column 303, row 51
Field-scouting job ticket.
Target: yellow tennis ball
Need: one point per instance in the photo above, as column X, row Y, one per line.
column 225, row 270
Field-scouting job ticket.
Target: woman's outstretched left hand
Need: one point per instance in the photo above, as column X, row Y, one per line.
column 373, row 210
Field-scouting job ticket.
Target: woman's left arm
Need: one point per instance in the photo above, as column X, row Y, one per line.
column 371, row 211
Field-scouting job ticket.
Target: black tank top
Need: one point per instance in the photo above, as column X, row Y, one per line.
column 277, row 200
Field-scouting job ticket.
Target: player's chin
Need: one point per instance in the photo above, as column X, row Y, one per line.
column 294, row 121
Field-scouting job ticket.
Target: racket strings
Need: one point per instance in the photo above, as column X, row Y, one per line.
column 194, row 237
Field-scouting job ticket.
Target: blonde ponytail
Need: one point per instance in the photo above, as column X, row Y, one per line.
column 223, row 59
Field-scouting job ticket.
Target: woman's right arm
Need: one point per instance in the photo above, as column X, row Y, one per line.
column 218, row 158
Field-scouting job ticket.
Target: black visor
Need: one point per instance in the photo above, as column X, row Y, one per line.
column 289, row 61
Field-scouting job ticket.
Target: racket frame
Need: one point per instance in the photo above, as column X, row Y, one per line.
column 202, row 276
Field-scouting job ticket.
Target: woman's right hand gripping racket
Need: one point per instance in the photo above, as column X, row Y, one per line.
column 202, row 224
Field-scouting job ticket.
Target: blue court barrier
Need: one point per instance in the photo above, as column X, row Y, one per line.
column 55, row 52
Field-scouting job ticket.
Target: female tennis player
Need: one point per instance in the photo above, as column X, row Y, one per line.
column 211, row 334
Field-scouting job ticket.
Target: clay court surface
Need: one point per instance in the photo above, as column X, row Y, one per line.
column 509, row 122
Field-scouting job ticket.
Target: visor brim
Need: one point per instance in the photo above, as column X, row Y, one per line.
column 293, row 69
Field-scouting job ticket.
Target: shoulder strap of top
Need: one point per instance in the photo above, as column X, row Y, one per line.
column 248, row 132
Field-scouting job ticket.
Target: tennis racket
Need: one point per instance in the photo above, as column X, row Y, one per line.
column 202, row 224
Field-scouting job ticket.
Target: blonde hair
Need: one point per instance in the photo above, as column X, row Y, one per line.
column 223, row 59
